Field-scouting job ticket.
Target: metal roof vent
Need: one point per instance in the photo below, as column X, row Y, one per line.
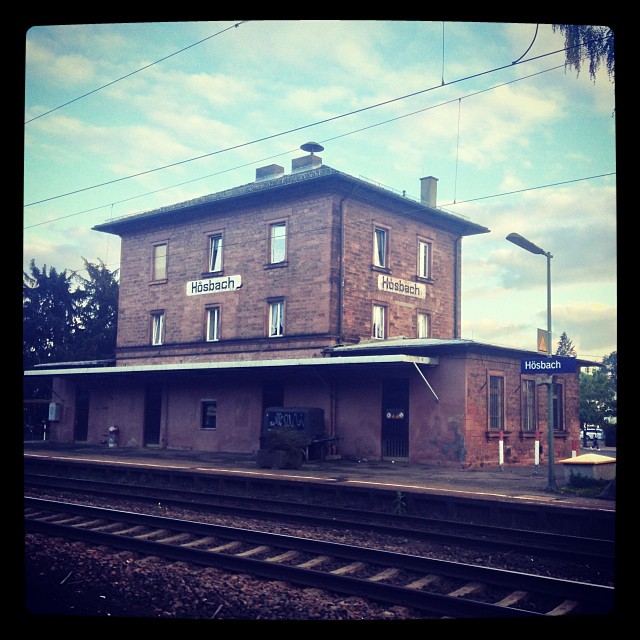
column 308, row 162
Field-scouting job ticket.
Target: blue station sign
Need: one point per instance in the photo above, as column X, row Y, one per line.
column 548, row 366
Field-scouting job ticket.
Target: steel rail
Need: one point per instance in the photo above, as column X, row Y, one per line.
column 596, row 598
column 574, row 548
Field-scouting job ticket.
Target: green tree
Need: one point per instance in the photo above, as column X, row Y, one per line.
column 97, row 312
column 67, row 317
column 589, row 42
column 565, row 347
column 48, row 315
column 598, row 392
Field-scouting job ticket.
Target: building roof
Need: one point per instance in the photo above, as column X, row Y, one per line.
column 394, row 351
column 320, row 177
column 244, row 365
column 437, row 347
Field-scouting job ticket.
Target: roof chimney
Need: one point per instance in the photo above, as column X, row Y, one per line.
column 428, row 191
column 269, row 172
column 307, row 162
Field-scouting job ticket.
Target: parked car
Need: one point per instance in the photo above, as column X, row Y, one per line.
column 593, row 433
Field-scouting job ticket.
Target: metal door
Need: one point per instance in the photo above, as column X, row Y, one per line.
column 395, row 418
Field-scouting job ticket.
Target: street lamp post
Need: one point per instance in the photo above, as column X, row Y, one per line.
column 529, row 246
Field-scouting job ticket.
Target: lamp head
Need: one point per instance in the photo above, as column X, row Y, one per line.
column 522, row 242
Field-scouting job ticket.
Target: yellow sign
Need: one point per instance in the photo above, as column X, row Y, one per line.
column 543, row 341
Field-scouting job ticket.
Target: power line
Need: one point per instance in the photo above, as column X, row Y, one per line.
column 128, row 75
column 543, row 186
column 323, row 141
column 293, row 130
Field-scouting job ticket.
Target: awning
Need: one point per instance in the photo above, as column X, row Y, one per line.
column 280, row 363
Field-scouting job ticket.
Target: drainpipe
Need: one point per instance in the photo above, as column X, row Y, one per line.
column 457, row 286
column 341, row 276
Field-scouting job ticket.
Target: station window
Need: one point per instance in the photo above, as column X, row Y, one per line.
column 157, row 328
column 529, row 415
column 215, row 252
column 496, row 402
column 423, row 324
column 378, row 329
column 209, row 414
column 276, row 318
column 159, row 265
column 278, row 242
column 424, row 259
column 381, row 247
column 213, row 324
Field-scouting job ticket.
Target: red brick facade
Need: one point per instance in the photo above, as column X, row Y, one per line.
column 435, row 391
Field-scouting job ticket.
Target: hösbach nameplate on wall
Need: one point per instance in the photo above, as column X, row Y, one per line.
column 403, row 287
column 213, row 285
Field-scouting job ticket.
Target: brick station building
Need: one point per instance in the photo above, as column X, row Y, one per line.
column 312, row 289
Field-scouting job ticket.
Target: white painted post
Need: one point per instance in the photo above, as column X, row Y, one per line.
column 501, row 449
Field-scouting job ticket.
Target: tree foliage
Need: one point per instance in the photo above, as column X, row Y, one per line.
column 48, row 315
column 598, row 392
column 588, row 42
column 565, row 347
column 97, row 313
column 67, row 317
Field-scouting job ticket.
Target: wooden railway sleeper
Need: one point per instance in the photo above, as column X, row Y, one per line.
column 424, row 582
column 90, row 524
column 387, row 574
column 284, row 557
column 513, row 598
column 468, row 589
column 253, row 552
column 563, row 609
column 349, row 568
column 314, row 562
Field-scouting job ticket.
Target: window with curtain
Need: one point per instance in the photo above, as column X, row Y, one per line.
column 278, row 238
column 157, row 328
column 276, row 318
column 215, row 252
column 213, row 324
column 424, row 259
column 380, row 247
column 378, row 320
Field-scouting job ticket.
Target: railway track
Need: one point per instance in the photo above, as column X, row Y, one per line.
column 439, row 588
column 577, row 549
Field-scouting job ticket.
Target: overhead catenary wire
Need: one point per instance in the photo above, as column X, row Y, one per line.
column 295, row 129
column 323, row 141
column 132, row 73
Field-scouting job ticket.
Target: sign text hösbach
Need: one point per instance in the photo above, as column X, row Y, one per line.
column 554, row 365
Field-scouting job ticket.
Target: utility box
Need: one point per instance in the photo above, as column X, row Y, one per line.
column 308, row 420
column 55, row 411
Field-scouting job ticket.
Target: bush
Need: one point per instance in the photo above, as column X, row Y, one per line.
column 286, row 439
column 283, row 447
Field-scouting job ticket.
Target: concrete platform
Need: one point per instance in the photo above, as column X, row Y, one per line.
column 516, row 483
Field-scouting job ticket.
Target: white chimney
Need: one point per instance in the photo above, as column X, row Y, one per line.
column 428, row 191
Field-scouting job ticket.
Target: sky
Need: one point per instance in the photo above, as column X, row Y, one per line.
column 122, row 118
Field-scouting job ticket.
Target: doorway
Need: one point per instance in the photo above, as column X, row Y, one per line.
column 152, row 415
column 81, row 423
column 395, row 419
